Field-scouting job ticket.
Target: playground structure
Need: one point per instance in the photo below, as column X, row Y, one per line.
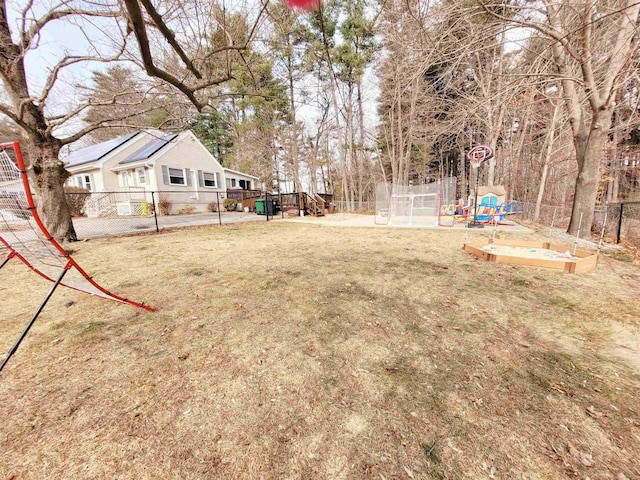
column 24, row 236
column 492, row 208
column 434, row 204
column 542, row 255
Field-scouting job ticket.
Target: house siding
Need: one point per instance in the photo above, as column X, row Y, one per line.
column 237, row 176
column 111, row 181
column 97, row 184
column 188, row 154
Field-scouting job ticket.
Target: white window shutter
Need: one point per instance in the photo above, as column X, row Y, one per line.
column 200, row 178
column 165, row 174
column 217, row 179
column 187, row 173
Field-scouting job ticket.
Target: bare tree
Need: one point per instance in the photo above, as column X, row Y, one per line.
column 154, row 28
column 545, row 154
column 592, row 46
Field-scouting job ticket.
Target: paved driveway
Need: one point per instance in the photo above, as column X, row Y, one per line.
column 103, row 227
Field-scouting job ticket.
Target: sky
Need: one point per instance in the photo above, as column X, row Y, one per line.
column 91, row 36
column 70, row 36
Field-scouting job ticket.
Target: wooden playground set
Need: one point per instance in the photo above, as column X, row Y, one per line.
column 493, row 209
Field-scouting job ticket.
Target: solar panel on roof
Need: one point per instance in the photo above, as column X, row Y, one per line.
column 97, row 151
column 149, row 149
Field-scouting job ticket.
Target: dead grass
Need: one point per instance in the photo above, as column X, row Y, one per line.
column 298, row 351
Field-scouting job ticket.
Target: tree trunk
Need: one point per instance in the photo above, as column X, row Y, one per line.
column 352, row 165
column 294, row 125
column 463, row 175
column 49, row 175
column 313, row 165
column 491, row 171
column 612, row 165
column 345, row 195
column 616, row 177
column 547, row 159
column 473, row 179
column 364, row 160
column 543, row 181
column 517, row 155
column 589, row 150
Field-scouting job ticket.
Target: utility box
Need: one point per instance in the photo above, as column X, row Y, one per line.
column 266, row 207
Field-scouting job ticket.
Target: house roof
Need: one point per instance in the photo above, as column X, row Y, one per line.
column 497, row 190
column 97, row 151
column 240, row 173
column 149, row 149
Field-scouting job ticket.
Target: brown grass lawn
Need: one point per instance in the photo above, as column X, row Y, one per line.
column 285, row 350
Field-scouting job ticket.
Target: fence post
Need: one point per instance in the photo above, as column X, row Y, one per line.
column 280, row 200
column 219, row 214
column 620, row 222
column 155, row 211
column 266, row 204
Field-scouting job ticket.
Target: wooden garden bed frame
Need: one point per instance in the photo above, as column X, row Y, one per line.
column 584, row 262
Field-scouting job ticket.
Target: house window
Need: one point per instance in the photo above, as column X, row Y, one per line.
column 233, row 182
column 83, row 181
column 142, row 177
column 209, row 179
column 176, row 176
column 123, row 178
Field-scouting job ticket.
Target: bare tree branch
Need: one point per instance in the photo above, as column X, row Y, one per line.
column 8, row 111
column 71, row 60
column 101, row 124
column 58, row 120
column 53, row 14
column 620, row 54
column 137, row 24
column 170, row 37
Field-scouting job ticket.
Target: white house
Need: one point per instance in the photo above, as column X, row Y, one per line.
column 241, row 181
column 181, row 172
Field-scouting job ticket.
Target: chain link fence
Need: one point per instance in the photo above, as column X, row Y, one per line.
column 100, row 214
column 549, row 215
column 621, row 221
column 355, row 206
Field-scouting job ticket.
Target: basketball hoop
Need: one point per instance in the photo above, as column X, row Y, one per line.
column 476, row 156
column 479, row 154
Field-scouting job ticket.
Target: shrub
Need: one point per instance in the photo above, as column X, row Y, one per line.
column 213, row 206
column 76, row 198
column 147, row 208
column 230, row 204
column 187, row 210
column 164, row 206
